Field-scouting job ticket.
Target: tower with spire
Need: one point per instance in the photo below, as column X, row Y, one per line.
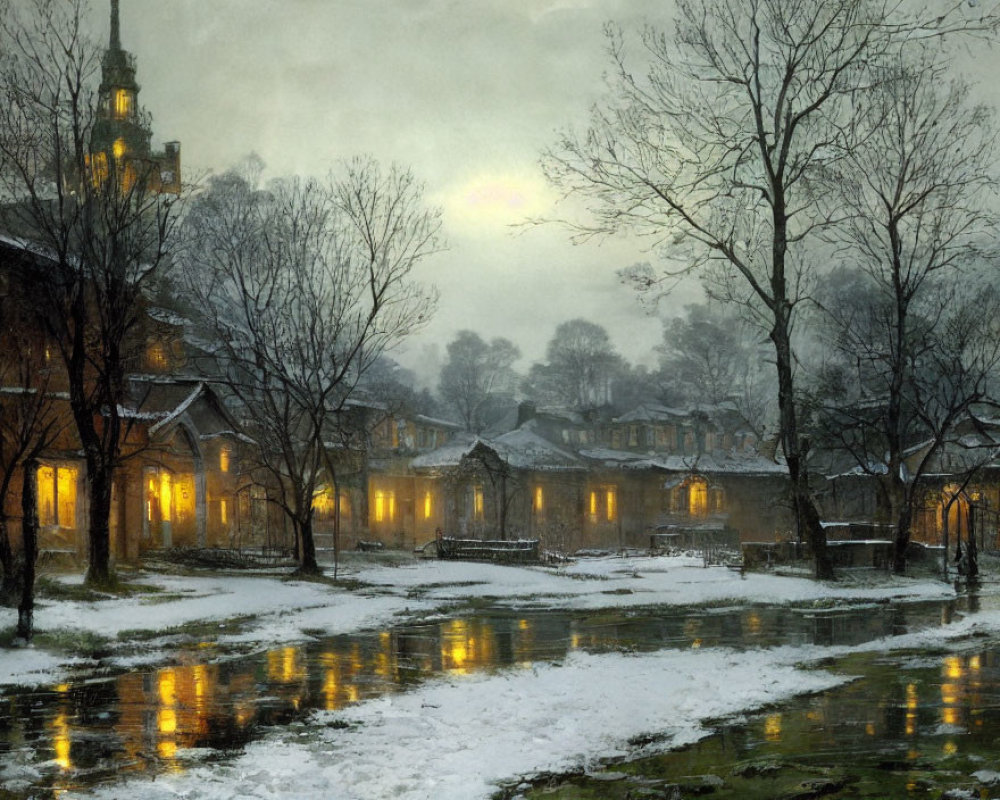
column 122, row 132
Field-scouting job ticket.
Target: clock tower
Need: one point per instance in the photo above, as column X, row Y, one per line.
column 120, row 139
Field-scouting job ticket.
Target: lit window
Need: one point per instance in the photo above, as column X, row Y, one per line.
column 697, row 498
column 118, row 148
column 593, row 505
column 122, row 103
column 539, row 502
column 224, row 459
column 223, row 512
column 385, row 506
column 427, row 505
column 611, row 495
column 57, row 496
column 477, row 502
column 98, row 168
column 156, row 356
column 166, row 494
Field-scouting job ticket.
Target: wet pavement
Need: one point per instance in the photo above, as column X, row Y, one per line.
column 96, row 729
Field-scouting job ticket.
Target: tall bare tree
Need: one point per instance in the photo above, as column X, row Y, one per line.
column 304, row 284
column 100, row 225
column 711, row 142
column 919, row 218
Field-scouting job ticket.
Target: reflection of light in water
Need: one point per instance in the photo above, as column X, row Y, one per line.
column 772, row 727
column 352, row 693
column 953, row 667
column 284, row 665
column 383, row 659
column 975, row 663
column 166, row 721
column 523, row 624
column 166, row 717
column 200, row 673
column 168, row 687
column 949, row 693
column 167, row 749
column 911, row 709
column 61, row 741
column 330, row 689
column 950, row 748
column 870, row 729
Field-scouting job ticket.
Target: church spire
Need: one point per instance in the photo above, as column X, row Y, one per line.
column 116, row 39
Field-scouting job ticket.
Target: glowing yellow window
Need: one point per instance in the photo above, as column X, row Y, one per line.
column 118, row 148
column 477, row 502
column 122, row 103
column 612, row 509
column 427, row 505
column 385, row 506
column 593, row 505
column 224, row 459
column 57, row 496
column 539, row 502
column 698, row 498
column 223, row 512
column 166, row 496
column 157, row 357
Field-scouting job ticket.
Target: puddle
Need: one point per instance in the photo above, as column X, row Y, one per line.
column 79, row 734
column 898, row 732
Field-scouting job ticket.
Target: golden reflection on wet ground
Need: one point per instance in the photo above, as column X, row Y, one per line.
column 149, row 720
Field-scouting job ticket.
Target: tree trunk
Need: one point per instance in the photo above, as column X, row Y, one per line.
column 100, row 477
column 336, row 524
column 29, row 536
column 901, row 541
column 308, row 563
column 9, row 579
column 807, row 519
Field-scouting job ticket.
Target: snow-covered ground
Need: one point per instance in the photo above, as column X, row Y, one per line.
column 279, row 611
column 456, row 736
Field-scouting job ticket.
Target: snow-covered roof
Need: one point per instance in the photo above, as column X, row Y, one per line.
column 449, row 455
column 441, row 423
column 525, row 449
column 730, row 463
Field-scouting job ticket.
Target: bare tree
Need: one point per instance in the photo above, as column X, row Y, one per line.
column 714, row 144
column 580, row 369
column 304, row 284
column 478, row 379
column 99, row 220
column 917, row 193
column 29, row 424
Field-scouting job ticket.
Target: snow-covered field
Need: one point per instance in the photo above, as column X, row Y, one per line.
column 456, row 736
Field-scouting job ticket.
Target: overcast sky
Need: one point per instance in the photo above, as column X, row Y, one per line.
column 465, row 92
